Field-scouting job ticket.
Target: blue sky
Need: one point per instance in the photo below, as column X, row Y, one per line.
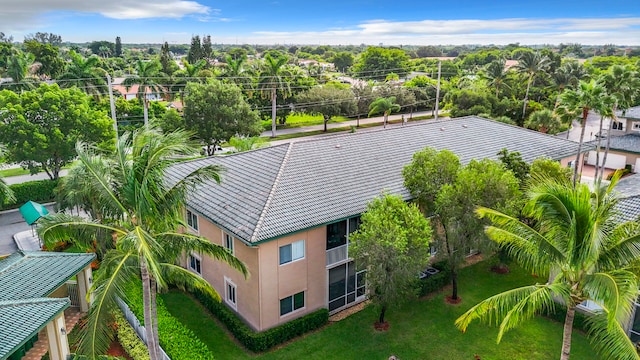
column 389, row 22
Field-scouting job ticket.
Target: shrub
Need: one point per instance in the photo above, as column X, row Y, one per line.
column 624, row 171
column 176, row 340
column 435, row 282
column 262, row 341
column 38, row 190
column 559, row 312
column 128, row 338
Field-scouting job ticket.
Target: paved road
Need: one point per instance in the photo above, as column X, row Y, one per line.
column 24, row 178
column 591, row 129
column 11, row 222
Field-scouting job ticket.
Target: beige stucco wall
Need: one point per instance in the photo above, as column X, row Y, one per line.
column 258, row 297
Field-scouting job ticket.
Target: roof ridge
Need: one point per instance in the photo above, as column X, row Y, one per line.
column 28, row 301
column 267, row 203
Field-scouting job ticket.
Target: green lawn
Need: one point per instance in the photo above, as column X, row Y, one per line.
column 300, row 119
column 421, row 329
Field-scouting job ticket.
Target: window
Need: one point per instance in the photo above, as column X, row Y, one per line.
column 292, row 303
column 338, row 232
column 227, row 242
column 617, row 125
column 292, row 252
column 230, row 293
column 636, row 126
column 192, row 220
column 195, row 264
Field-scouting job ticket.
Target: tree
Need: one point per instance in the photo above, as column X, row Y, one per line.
column 166, row 60
column 147, row 78
column 5, row 38
column 342, row 60
column 101, row 48
column 144, row 214
column 329, row 101
column 45, row 38
column 22, row 69
column 84, row 74
column 215, row 112
column 543, row 169
column 428, row 51
column 246, row 143
column 271, row 80
column 207, row 48
column 118, row 47
column 543, row 121
column 392, row 244
column 385, row 106
column 575, row 233
column 496, row 74
column 513, row 161
column 170, row 121
column 449, row 194
column 588, row 96
column 41, row 127
column 51, row 64
column 195, row 51
column 376, row 62
column 531, row 64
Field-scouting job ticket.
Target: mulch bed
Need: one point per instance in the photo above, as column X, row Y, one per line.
column 115, row 349
column 381, row 326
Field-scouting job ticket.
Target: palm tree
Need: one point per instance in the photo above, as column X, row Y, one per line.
column 22, row 69
column 623, row 84
column 146, row 77
column 142, row 212
column 531, row 64
column 496, row 74
column 567, row 75
column 384, row 105
column 588, row 96
column 84, row 74
column 576, row 236
column 272, row 79
column 189, row 73
column 544, row 121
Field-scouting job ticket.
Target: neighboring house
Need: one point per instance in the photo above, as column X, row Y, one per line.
column 34, row 294
column 287, row 210
column 625, row 142
column 131, row 92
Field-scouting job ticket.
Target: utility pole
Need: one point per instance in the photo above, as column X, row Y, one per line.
column 438, row 88
column 113, row 105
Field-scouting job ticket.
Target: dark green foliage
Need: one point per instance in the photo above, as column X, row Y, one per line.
column 435, row 282
column 560, row 312
column 513, row 161
column 175, row 339
column 262, row 341
column 38, row 191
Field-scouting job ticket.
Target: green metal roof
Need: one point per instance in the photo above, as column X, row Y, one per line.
column 15, row 331
column 34, row 274
column 32, row 211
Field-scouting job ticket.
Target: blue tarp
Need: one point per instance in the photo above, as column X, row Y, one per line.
column 32, row 211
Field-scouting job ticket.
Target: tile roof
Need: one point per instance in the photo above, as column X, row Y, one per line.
column 628, row 143
column 271, row 192
column 628, row 189
column 631, row 113
column 34, row 274
column 629, row 185
column 15, row 331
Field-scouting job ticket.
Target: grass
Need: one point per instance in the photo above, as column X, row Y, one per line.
column 20, row 171
column 295, row 120
column 421, row 329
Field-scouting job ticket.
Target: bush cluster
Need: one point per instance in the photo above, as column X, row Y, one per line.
column 38, row 191
column 176, row 340
column 435, row 282
column 559, row 312
column 262, row 341
column 128, row 338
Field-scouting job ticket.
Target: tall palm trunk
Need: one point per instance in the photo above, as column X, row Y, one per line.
column 595, row 177
column 273, row 112
column 566, row 334
column 526, row 98
column 585, row 113
column 146, row 111
column 154, row 313
column 148, row 319
column 383, row 310
column 606, row 149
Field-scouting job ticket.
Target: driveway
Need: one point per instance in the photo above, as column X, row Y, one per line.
column 11, row 222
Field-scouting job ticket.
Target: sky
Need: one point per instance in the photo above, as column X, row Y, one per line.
column 329, row 22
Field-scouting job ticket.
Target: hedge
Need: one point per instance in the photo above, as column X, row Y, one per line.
column 38, row 191
column 559, row 312
column 437, row 281
column 128, row 338
column 176, row 339
column 262, row 341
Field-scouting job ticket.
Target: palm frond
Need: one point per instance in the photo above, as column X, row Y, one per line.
column 513, row 307
column 176, row 244
column 611, row 342
column 116, row 272
column 185, row 280
column 615, row 291
column 61, row 227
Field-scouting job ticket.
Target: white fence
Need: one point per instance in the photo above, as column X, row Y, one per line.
column 72, row 290
column 135, row 324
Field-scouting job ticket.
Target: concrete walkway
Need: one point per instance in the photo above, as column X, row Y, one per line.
column 71, row 317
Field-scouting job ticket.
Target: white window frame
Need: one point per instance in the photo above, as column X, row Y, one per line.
column 198, row 258
column 191, row 216
column 636, row 126
column 228, row 283
column 293, row 310
column 298, row 250
column 229, row 245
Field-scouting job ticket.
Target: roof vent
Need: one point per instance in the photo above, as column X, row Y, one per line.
column 464, row 126
column 441, row 129
column 337, row 146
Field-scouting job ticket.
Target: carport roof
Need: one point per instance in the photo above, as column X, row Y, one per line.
column 34, row 274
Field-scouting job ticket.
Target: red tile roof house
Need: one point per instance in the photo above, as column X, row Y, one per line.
column 287, row 210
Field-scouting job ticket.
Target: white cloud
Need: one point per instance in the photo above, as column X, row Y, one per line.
column 19, row 15
column 499, row 31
